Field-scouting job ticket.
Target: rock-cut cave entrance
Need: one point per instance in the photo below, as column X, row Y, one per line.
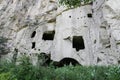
column 33, row 45
column 48, row 35
column 33, row 34
column 66, row 61
column 78, row 43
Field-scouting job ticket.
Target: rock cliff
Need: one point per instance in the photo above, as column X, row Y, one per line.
column 90, row 34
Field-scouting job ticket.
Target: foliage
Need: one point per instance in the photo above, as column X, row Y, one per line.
column 43, row 59
column 3, row 46
column 5, row 76
column 74, row 3
column 26, row 71
column 113, row 73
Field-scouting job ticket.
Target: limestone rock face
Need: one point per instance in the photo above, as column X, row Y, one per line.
column 90, row 34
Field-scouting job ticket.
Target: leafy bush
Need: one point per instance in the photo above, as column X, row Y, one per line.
column 5, row 76
column 3, row 46
column 114, row 73
column 26, row 71
column 74, row 3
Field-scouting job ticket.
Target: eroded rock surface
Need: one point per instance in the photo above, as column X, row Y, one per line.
column 89, row 34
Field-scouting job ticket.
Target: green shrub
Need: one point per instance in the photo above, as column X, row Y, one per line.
column 3, row 46
column 74, row 3
column 99, row 73
column 113, row 73
column 26, row 71
column 5, row 76
column 5, row 66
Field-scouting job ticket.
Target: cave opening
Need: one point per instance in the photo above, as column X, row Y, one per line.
column 118, row 61
column 89, row 15
column 66, row 61
column 98, row 60
column 33, row 45
column 48, row 35
column 78, row 43
column 33, row 34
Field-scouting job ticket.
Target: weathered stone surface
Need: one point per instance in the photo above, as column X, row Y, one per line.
column 90, row 34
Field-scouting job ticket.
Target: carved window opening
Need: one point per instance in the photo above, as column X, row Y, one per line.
column 78, row 43
column 69, row 16
column 118, row 61
column 33, row 45
column 33, row 34
column 89, row 15
column 48, row 35
column 98, row 60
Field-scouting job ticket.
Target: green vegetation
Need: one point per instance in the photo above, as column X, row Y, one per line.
column 74, row 3
column 3, row 46
column 26, row 71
